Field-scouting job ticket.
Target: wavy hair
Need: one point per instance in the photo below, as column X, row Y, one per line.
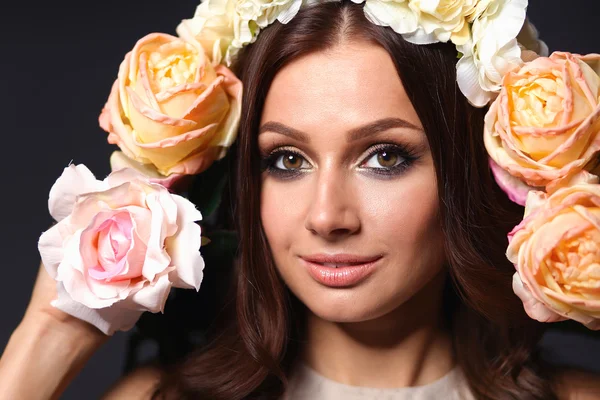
column 255, row 346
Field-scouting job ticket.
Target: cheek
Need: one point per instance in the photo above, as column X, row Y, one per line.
column 404, row 216
column 282, row 212
column 403, row 219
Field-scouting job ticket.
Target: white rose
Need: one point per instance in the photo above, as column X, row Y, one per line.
column 393, row 13
column 493, row 50
column 223, row 27
column 214, row 19
column 423, row 21
column 442, row 20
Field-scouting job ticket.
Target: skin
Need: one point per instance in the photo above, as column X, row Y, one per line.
column 385, row 331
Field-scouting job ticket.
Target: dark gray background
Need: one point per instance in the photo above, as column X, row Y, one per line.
column 58, row 61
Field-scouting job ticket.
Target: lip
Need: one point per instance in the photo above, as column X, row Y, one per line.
column 354, row 268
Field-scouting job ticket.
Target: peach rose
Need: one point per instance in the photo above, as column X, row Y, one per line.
column 544, row 125
column 556, row 252
column 118, row 247
column 170, row 110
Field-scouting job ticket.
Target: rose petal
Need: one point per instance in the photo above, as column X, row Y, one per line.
column 50, row 245
column 534, row 308
column 467, row 77
column 286, row 15
column 91, row 293
column 516, row 189
column 134, row 264
column 163, row 224
column 152, row 297
column 233, row 87
column 578, row 178
column 91, row 247
column 184, row 247
column 396, row 15
column 506, row 23
column 74, row 181
column 124, row 176
column 108, row 320
column 118, row 160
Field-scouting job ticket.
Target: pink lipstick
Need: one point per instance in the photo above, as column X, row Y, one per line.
column 339, row 270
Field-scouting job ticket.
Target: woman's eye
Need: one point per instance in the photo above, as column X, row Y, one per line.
column 290, row 162
column 384, row 159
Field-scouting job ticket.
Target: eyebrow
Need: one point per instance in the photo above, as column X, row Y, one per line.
column 278, row 127
column 361, row 132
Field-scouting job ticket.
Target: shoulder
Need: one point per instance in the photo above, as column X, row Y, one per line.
column 576, row 384
column 137, row 385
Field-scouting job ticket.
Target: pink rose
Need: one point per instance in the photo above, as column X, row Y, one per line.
column 556, row 251
column 118, row 247
column 545, row 126
column 170, row 111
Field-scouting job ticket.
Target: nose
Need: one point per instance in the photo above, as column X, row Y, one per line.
column 333, row 211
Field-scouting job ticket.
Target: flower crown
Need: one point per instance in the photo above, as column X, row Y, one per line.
column 489, row 34
column 120, row 244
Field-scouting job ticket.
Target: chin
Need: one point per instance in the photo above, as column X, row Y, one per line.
column 345, row 305
column 338, row 314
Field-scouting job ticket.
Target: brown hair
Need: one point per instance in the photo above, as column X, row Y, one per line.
column 494, row 341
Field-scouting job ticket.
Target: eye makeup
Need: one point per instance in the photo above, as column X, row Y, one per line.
column 274, row 163
column 393, row 160
column 402, row 155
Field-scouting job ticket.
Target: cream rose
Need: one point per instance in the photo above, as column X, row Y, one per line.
column 423, row 21
column 397, row 15
column 544, row 125
column 492, row 51
column 223, row 27
column 444, row 20
column 556, row 251
column 170, row 110
column 118, row 247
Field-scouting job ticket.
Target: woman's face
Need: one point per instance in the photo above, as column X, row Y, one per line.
column 349, row 198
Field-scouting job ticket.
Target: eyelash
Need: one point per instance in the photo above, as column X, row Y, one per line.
column 408, row 156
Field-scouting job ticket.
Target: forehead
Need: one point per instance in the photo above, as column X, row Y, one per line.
column 346, row 86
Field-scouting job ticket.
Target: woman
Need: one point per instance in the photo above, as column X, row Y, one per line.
column 372, row 239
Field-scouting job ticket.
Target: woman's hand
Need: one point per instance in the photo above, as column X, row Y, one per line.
column 40, row 310
column 47, row 349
